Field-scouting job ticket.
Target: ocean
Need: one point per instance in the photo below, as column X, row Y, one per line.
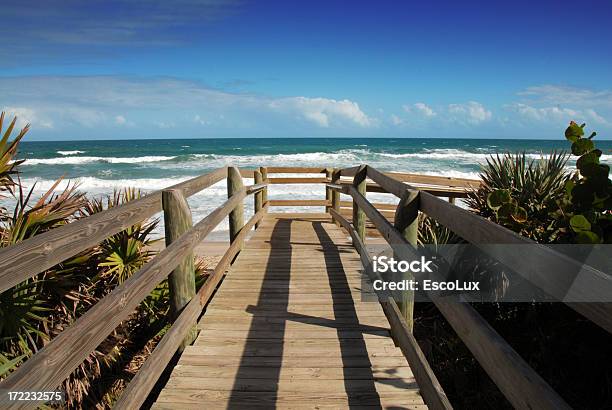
column 99, row 167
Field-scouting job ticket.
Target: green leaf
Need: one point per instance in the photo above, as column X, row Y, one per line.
column 590, row 158
column 579, row 223
column 569, row 187
column 582, row 194
column 519, row 214
column 582, row 146
column 574, row 132
column 497, row 198
column 505, row 211
column 587, row 237
column 8, row 365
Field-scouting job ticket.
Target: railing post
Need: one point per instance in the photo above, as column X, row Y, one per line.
column 258, row 201
column 236, row 217
column 181, row 282
column 359, row 182
column 407, row 222
column 335, row 179
column 328, row 191
column 264, row 192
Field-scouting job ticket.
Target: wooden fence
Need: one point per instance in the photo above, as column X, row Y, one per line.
column 50, row 366
column 519, row 383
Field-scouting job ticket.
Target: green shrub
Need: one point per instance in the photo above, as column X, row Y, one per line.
column 584, row 212
column 522, row 194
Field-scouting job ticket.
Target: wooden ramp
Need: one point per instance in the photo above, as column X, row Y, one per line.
column 287, row 329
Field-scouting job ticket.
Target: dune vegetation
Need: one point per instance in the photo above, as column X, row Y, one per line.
column 36, row 310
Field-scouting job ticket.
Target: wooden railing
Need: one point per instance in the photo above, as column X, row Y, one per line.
column 50, row 366
column 520, row 384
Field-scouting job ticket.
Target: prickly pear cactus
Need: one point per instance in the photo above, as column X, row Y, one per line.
column 588, row 201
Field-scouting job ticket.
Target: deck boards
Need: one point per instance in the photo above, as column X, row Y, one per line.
column 287, row 329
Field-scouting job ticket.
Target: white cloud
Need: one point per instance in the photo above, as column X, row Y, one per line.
column 557, row 115
column 199, row 120
column 396, row 120
column 423, row 109
column 471, row 112
column 553, row 95
column 558, row 104
column 76, row 102
column 26, row 116
column 164, row 125
column 324, row 111
column 420, row 108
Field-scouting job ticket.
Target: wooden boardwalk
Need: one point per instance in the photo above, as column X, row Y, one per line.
column 287, row 329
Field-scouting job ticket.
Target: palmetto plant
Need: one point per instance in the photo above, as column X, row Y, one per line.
column 124, row 253
column 533, row 188
column 38, row 309
column 8, row 150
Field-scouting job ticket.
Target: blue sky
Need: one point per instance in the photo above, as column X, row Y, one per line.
column 212, row 68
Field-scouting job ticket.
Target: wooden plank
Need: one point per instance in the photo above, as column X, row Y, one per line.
column 348, row 172
column 385, row 402
column 366, row 344
column 296, row 180
column 313, row 310
column 291, row 334
column 288, row 320
column 391, row 385
column 296, row 170
column 435, row 180
column 25, row 259
column 287, row 400
column 299, row 202
column 140, row 386
column 297, row 373
column 48, row 368
column 259, row 320
column 379, row 206
column 291, row 361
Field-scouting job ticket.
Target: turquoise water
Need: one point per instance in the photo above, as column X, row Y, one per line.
column 134, row 159
column 99, row 167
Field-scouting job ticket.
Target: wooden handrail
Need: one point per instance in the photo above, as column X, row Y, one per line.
column 583, row 283
column 32, row 256
column 143, row 382
column 299, row 202
column 296, row 170
column 430, row 387
column 435, row 180
column 51, row 365
column 296, row 180
column 253, row 189
column 521, row 385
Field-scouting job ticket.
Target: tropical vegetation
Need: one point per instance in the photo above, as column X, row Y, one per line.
column 36, row 310
column 546, row 200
